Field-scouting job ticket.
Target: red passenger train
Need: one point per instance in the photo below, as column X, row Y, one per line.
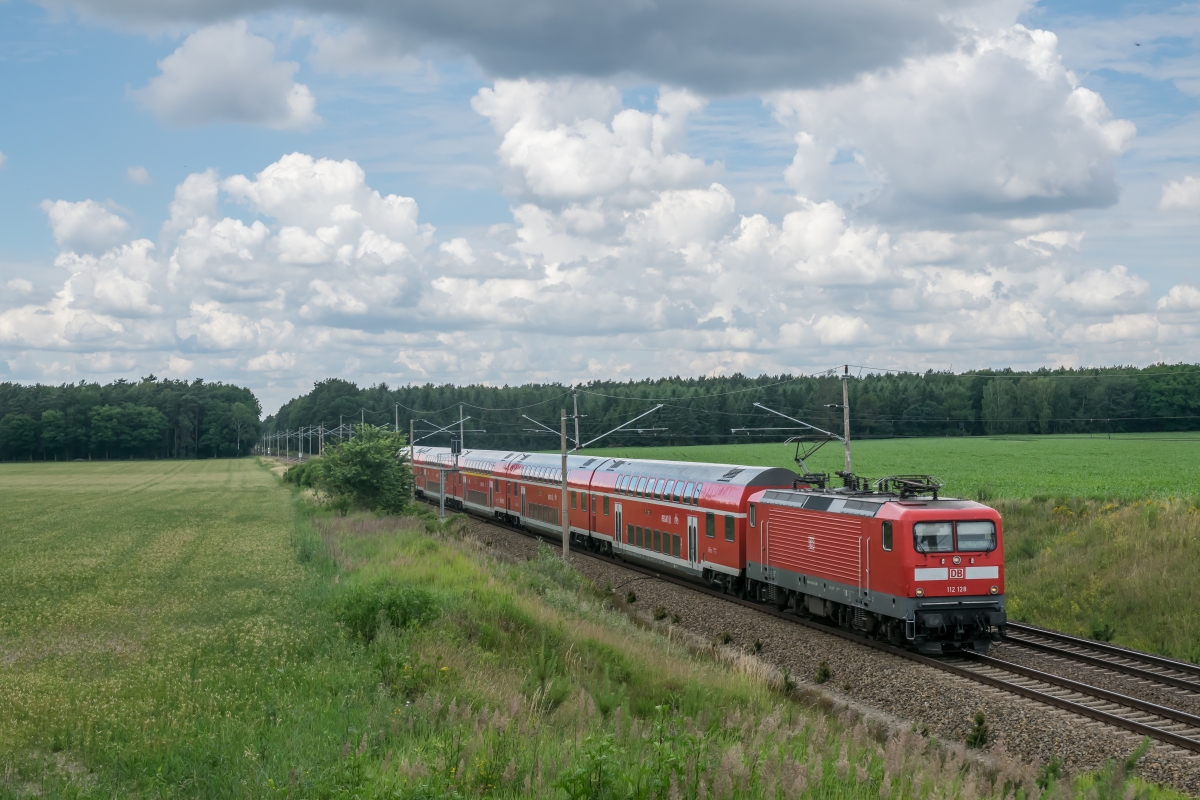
column 897, row 565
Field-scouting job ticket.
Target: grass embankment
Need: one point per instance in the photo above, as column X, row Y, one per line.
column 179, row 631
column 1127, row 467
column 1122, row 572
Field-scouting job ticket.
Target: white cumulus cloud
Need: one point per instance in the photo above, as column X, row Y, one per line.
column 1183, row 193
column 997, row 125
column 86, row 226
column 224, row 73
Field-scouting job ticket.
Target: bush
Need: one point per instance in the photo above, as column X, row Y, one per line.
column 370, row 471
column 823, row 673
column 306, row 475
column 365, row 607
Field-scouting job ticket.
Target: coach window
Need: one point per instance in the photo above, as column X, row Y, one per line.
column 887, row 535
column 641, row 488
column 933, row 537
column 752, row 518
column 638, row 541
column 629, row 534
column 658, row 490
column 696, row 494
column 976, row 535
column 687, row 493
column 678, row 491
column 675, row 545
column 669, row 490
column 625, row 481
column 657, row 542
column 710, row 525
column 606, row 505
column 729, row 527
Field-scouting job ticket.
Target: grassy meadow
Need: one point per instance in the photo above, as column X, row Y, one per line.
column 193, row 629
column 1126, row 467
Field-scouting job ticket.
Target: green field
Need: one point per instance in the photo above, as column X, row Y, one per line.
column 1126, row 467
column 193, row 629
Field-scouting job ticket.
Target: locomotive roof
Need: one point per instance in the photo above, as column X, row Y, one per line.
column 732, row 474
column 859, row 504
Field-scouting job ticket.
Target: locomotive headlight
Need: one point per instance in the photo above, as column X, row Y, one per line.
column 995, row 590
column 921, row 592
column 958, row 559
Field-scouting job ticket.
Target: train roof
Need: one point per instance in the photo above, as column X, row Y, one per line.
column 731, row 474
column 859, row 504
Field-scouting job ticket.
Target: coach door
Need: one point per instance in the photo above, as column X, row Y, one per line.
column 618, row 531
column 693, row 539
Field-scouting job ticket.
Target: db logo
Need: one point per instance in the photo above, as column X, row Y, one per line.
column 959, row 574
column 812, row 543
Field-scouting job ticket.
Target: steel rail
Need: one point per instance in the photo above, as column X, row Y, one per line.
column 1111, row 649
column 1084, row 658
column 1167, row 737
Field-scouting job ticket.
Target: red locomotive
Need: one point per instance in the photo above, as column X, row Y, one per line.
column 898, row 563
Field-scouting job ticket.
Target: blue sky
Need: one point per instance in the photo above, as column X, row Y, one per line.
column 951, row 187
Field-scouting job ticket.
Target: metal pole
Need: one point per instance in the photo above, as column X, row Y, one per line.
column 441, row 492
column 412, row 463
column 846, row 414
column 566, row 523
column 398, row 418
column 462, row 445
column 575, row 400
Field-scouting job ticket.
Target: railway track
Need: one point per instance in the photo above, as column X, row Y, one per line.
column 1167, row 725
column 1101, row 655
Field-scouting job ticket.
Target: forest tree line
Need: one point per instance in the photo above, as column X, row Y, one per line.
column 708, row 410
column 150, row 418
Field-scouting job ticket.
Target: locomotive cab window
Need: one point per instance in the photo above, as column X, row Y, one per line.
column 976, row 535
column 933, row 537
column 887, row 535
column 729, row 523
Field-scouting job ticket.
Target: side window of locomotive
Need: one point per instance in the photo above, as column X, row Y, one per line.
column 729, row 523
column 710, row 525
column 752, row 518
column 933, row 537
column 687, row 493
column 887, row 535
column 573, row 499
column 977, row 535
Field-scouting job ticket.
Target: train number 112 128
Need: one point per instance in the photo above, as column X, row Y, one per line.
column 956, row 589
